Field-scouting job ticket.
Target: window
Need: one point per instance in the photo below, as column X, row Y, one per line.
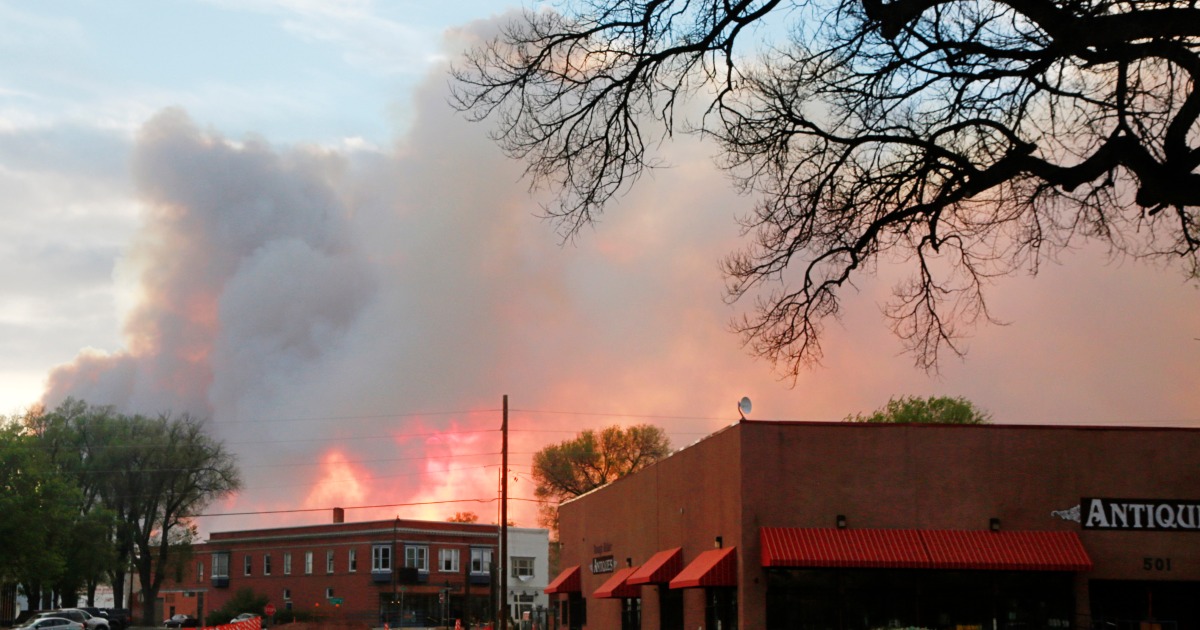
column 381, row 558
column 307, row 563
column 448, row 560
column 481, row 561
column 287, row 563
column 522, row 567
column 287, row 594
column 329, row 561
column 199, row 571
column 220, row 565
column 353, row 560
column 417, row 557
column 266, row 564
column 329, row 593
column 246, row 564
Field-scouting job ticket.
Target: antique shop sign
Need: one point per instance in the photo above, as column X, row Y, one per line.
column 1140, row 514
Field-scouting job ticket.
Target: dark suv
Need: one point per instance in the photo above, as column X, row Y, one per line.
column 118, row 618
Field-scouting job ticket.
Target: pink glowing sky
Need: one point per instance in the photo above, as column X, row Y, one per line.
column 348, row 298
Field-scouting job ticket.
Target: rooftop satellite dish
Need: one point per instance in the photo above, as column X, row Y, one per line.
column 744, row 406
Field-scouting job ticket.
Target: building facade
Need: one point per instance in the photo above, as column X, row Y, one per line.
column 401, row 572
column 847, row 526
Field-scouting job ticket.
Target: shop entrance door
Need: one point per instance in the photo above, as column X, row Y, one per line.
column 670, row 608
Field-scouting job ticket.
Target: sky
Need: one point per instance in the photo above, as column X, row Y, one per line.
column 265, row 214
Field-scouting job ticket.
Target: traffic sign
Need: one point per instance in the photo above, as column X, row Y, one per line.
column 336, row 601
column 269, row 610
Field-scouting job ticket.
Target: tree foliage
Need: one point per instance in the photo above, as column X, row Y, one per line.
column 244, row 600
column 37, row 510
column 136, row 481
column 932, row 410
column 464, row 517
column 965, row 139
column 590, row 460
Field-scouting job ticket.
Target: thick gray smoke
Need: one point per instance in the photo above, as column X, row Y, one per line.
column 348, row 319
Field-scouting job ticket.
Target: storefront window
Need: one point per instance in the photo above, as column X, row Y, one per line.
column 631, row 613
column 720, row 608
column 874, row 599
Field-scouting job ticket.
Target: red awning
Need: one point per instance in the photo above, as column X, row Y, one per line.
column 717, row 567
column 923, row 549
column 618, row 586
column 854, row 548
column 661, row 568
column 1006, row 551
column 566, row 582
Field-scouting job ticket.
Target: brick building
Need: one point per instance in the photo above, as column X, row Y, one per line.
column 404, row 572
column 846, row 526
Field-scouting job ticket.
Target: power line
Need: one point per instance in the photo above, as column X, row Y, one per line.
column 361, row 507
column 617, row 415
column 408, row 414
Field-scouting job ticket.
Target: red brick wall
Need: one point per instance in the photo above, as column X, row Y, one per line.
column 759, row 474
column 359, row 592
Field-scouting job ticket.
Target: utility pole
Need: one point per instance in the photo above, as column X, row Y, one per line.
column 504, row 519
column 395, row 569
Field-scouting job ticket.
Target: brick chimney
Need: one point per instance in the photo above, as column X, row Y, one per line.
column 339, row 515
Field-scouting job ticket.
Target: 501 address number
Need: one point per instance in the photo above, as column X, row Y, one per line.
column 1156, row 564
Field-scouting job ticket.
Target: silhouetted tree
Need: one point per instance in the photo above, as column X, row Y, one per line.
column 590, row 460
column 464, row 517
column 932, row 410
column 967, row 139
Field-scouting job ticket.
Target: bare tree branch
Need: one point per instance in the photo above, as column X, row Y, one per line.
column 969, row 139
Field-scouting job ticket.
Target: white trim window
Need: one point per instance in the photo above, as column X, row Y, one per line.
column 329, row 561
column 481, row 561
column 246, row 562
column 448, row 560
column 287, row 563
column 352, row 560
column 220, row 565
column 266, row 564
column 381, row 559
column 308, row 563
column 522, row 568
column 417, row 557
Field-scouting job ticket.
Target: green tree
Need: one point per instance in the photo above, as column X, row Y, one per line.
column 590, row 460
column 75, row 437
column 932, row 410
column 965, row 139
column 176, row 472
column 37, row 511
column 144, row 477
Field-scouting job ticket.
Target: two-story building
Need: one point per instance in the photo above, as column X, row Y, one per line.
column 401, row 572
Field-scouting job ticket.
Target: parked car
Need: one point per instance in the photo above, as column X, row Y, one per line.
column 118, row 618
column 243, row 617
column 99, row 612
column 51, row 623
column 82, row 617
column 182, row 621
